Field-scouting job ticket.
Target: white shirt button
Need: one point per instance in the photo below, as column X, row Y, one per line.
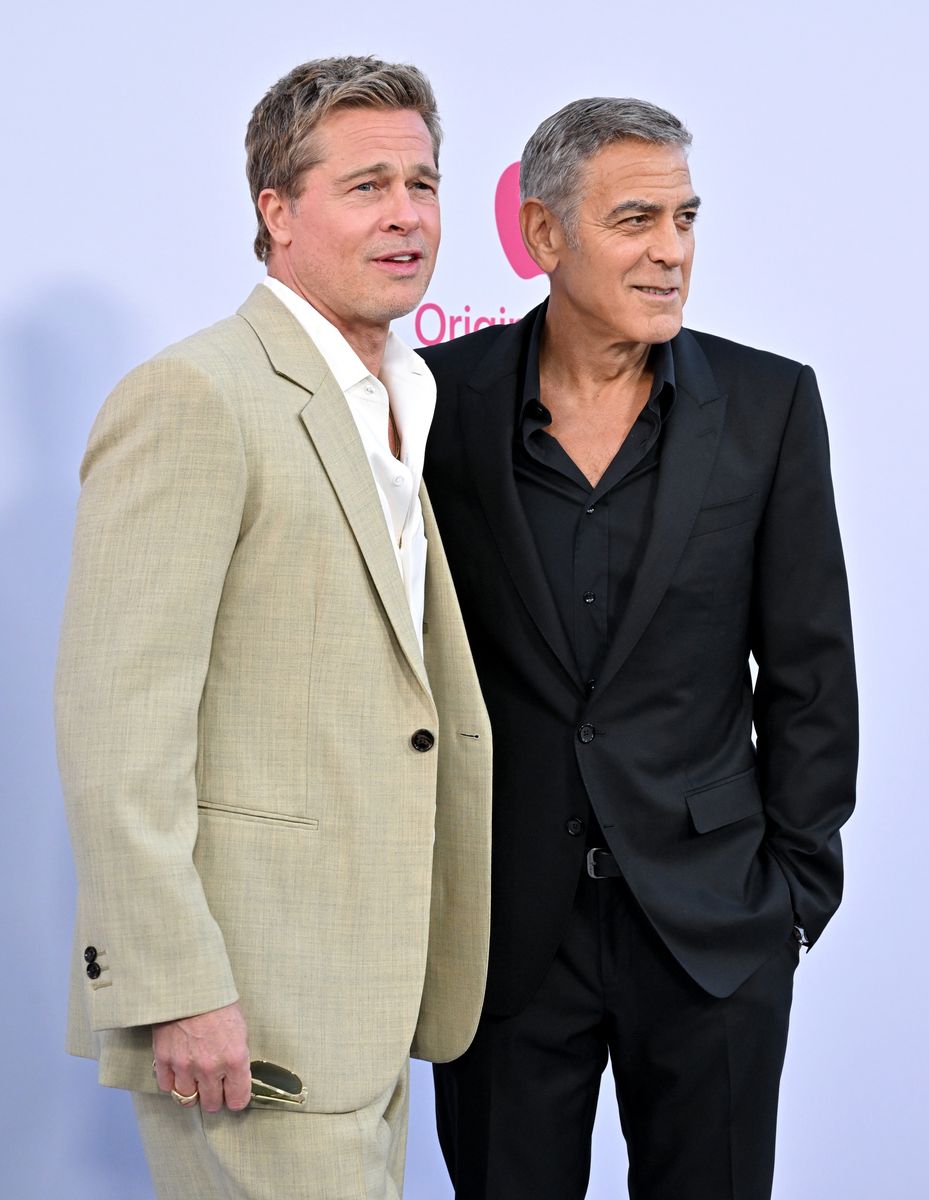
column 398, row 480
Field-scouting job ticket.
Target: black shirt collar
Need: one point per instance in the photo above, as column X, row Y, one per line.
column 533, row 415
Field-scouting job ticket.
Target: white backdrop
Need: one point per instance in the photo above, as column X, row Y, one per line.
column 128, row 225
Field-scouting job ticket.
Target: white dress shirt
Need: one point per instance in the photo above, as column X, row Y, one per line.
column 406, row 388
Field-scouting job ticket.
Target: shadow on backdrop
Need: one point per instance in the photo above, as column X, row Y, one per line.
column 59, row 356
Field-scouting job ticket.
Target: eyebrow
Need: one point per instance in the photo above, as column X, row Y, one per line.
column 649, row 206
column 383, row 168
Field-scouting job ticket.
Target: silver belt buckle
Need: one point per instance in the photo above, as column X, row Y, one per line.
column 591, row 864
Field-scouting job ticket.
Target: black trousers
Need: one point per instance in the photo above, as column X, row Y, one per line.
column 696, row 1077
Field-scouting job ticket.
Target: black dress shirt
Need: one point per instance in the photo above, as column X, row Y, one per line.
column 590, row 539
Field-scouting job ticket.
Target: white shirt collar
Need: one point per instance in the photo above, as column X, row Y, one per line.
column 407, row 386
column 343, row 362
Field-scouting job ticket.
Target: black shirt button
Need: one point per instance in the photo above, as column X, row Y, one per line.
column 590, row 511
column 93, row 970
column 574, row 826
column 590, row 685
column 90, row 954
column 586, row 734
column 539, row 411
column 590, row 597
column 422, row 740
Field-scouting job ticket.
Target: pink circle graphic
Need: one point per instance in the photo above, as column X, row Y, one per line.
column 506, row 210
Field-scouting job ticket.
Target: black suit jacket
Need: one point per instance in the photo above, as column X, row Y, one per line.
column 724, row 845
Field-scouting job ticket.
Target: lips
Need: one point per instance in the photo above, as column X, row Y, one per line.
column 400, row 264
column 400, row 256
column 666, row 293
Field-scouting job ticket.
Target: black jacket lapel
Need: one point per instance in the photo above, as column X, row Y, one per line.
column 488, row 415
column 688, row 453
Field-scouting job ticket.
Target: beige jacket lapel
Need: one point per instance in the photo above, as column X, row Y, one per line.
column 332, row 429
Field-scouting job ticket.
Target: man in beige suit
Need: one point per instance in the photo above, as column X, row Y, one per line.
column 273, row 747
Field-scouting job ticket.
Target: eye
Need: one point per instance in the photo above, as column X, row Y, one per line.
column 637, row 221
column 368, row 186
column 688, row 218
column 423, row 185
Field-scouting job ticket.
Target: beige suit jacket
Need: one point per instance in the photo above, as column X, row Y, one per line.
column 239, row 681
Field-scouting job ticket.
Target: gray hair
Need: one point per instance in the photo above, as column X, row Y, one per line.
column 280, row 144
column 553, row 160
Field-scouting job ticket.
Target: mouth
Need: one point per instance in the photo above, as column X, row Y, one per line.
column 403, row 263
column 659, row 293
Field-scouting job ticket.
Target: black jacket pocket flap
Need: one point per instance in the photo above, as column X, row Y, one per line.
column 724, row 514
column 722, row 803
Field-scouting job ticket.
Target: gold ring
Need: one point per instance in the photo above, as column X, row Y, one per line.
column 186, row 1101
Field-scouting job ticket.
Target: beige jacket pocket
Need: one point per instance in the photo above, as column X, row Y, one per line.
column 257, row 814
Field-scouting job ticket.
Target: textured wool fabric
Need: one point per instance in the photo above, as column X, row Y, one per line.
column 253, row 1155
column 239, row 683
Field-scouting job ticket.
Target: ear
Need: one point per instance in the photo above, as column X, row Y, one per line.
column 277, row 215
column 542, row 234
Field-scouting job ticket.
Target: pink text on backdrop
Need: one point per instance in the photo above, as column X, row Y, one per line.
column 434, row 325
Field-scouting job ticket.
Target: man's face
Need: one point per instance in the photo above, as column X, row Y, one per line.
column 365, row 230
column 629, row 273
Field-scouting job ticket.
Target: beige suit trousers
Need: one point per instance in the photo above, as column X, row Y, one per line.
column 260, row 1154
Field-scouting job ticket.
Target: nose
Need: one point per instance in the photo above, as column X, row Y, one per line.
column 400, row 212
column 668, row 244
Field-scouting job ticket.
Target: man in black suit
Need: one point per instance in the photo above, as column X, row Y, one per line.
column 631, row 510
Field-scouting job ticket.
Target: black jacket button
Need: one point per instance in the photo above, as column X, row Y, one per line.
column 90, row 954
column 586, row 734
column 93, row 970
column 422, row 740
column 574, row 826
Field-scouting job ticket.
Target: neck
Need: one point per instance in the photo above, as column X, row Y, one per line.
column 369, row 344
column 367, row 339
column 581, row 359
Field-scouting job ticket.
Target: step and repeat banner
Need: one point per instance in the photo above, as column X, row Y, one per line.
column 128, row 225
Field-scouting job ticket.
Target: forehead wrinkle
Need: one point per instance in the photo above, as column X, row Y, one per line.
column 386, row 168
column 650, row 206
column 379, row 168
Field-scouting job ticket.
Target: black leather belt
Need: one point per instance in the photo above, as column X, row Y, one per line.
column 601, row 864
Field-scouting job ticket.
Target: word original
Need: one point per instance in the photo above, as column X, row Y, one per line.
column 434, row 325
